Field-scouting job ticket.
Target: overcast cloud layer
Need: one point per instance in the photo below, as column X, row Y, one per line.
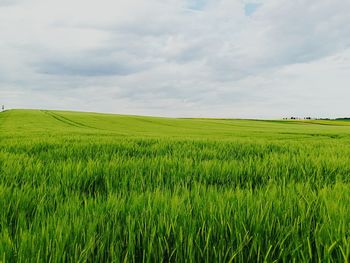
column 199, row 58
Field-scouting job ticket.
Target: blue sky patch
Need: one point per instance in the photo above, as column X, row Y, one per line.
column 197, row 4
column 250, row 8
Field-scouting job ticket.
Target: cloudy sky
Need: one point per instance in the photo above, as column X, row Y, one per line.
column 199, row 58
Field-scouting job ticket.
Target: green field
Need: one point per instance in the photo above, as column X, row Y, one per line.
column 86, row 187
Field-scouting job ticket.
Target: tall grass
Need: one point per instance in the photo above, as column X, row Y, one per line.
column 94, row 188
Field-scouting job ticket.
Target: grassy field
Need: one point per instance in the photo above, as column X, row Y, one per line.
column 86, row 187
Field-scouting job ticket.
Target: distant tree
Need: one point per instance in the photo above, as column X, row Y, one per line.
column 344, row 119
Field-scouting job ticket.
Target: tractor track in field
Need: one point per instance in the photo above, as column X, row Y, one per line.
column 68, row 121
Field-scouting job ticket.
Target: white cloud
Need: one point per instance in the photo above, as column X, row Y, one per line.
column 177, row 58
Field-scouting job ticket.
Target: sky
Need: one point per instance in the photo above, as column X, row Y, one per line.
column 177, row 58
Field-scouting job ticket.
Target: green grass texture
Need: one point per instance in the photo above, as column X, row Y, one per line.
column 88, row 187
